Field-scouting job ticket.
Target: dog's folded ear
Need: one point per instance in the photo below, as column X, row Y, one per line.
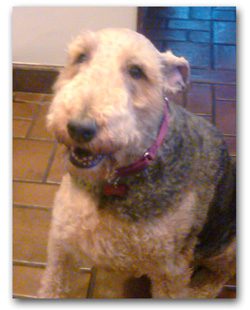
column 176, row 73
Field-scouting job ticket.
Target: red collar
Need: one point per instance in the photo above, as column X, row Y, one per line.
column 113, row 189
column 150, row 153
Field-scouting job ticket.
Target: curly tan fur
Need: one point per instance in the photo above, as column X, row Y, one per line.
column 159, row 227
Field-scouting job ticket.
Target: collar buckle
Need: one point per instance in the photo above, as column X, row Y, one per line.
column 148, row 156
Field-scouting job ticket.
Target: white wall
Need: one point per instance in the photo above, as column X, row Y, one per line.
column 40, row 34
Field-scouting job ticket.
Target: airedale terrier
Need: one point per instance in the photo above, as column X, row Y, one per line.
column 150, row 188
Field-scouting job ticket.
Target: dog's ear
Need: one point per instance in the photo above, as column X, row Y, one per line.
column 176, row 73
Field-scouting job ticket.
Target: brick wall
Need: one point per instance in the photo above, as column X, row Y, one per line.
column 206, row 36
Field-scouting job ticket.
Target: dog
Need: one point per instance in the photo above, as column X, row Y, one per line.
column 149, row 189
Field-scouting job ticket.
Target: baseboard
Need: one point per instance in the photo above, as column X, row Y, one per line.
column 34, row 78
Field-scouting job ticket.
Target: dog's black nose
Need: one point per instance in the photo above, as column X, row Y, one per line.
column 82, row 130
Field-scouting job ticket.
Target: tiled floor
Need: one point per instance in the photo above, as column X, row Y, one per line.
column 37, row 170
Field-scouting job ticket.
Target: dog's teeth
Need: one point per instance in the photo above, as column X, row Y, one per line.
column 86, row 161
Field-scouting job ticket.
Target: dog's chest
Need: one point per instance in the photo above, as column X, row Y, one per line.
column 113, row 241
column 148, row 194
column 120, row 245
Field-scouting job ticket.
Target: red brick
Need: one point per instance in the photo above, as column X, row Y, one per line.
column 226, row 116
column 225, row 92
column 231, row 144
column 213, row 76
column 199, row 99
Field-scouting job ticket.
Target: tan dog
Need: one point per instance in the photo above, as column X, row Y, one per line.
column 149, row 187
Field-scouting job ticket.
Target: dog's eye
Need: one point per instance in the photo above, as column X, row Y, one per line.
column 136, row 72
column 81, row 58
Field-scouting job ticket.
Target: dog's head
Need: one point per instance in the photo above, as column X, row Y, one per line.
column 109, row 98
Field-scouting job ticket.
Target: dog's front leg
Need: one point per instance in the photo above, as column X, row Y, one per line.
column 70, row 220
column 171, row 282
column 164, row 286
column 57, row 281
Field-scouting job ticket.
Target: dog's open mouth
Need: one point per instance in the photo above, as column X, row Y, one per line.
column 83, row 158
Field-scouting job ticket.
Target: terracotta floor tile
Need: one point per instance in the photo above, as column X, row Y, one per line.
column 57, row 169
column 26, row 280
column 25, row 109
column 23, row 96
column 33, row 194
column 39, row 129
column 20, row 128
column 47, row 97
column 30, row 233
column 30, row 159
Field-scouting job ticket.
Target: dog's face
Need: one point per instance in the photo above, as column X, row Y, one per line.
column 109, row 99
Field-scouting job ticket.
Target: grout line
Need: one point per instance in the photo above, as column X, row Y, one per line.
column 21, row 118
column 23, row 296
column 25, row 263
column 226, row 100
column 230, row 135
column 35, row 139
column 203, row 114
column 36, row 181
column 230, row 287
column 34, row 207
column 185, row 98
column 27, row 181
column 34, row 119
column 37, row 102
column 212, row 45
column 86, row 269
column 34, row 264
column 92, row 282
column 196, row 81
column 50, row 162
column 49, row 182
